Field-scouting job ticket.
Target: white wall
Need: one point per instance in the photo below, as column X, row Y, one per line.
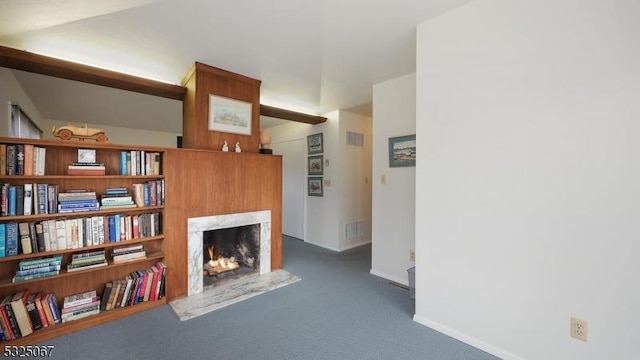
column 354, row 179
column 527, row 202
column 327, row 215
column 11, row 91
column 394, row 114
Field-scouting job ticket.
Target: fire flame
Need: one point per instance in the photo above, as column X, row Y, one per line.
column 221, row 263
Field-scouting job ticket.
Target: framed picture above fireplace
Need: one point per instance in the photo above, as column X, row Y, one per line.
column 229, row 115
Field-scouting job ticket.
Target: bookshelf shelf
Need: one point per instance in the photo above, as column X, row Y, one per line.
column 58, row 156
column 69, row 327
column 86, row 248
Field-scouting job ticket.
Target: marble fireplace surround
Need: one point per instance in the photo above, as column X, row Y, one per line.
column 196, row 228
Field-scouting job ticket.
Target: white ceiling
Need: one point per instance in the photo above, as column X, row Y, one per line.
column 311, row 56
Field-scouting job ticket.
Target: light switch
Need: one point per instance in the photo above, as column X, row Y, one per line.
column 326, row 162
column 327, row 182
column 383, row 179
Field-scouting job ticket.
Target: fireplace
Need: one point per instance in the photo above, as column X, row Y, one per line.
column 230, row 253
column 243, row 238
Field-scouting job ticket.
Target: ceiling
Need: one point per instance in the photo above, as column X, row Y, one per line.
column 311, row 56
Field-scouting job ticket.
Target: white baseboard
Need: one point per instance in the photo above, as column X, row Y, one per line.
column 340, row 249
column 470, row 340
column 399, row 280
column 355, row 245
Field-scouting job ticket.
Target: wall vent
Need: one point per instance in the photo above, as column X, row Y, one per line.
column 354, row 229
column 355, row 139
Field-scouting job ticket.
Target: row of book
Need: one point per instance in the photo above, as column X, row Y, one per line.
column 22, row 159
column 140, row 162
column 75, row 233
column 28, row 199
column 37, row 198
column 87, row 260
column 139, row 286
column 30, row 269
column 24, row 312
column 128, row 253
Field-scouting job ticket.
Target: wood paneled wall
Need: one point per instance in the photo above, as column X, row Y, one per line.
column 212, row 182
column 203, row 80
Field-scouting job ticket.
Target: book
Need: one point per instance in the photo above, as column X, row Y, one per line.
column 12, row 239
column 27, row 208
column 112, row 295
column 19, row 159
column 11, row 159
column 85, row 302
column 42, row 191
column 20, row 312
column 29, row 263
column 4, row 199
column 25, row 239
column 40, row 160
column 29, row 158
column 3, row 159
column 3, row 239
column 40, row 237
column 41, row 313
column 32, row 311
column 105, row 295
column 12, row 195
column 47, row 310
column 33, row 237
column 120, row 296
column 80, row 313
column 61, row 234
column 53, row 305
column 37, row 270
column 127, row 292
column 19, row 200
column 72, row 267
column 17, row 279
column 9, row 317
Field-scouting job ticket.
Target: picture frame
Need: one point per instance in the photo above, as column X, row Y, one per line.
column 315, row 165
column 229, row 115
column 315, row 144
column 314, row 186
column 402, row 151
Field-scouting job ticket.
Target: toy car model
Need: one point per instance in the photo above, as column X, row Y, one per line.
column 67, row 132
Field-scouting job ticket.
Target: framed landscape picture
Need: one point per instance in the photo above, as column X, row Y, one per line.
column 314, row 144
column 315, row 164
column 314, row 186
column 229, row 115
column 402, row 151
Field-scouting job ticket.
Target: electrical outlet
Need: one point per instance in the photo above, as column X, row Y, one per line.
column 579, row 329
column 412, row 255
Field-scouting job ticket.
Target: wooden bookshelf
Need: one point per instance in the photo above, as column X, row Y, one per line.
column 59, row 154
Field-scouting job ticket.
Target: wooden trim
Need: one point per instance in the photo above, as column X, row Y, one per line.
column 275, row 112
column 45, row 65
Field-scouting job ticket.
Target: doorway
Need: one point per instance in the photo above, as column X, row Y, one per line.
column 293, row 186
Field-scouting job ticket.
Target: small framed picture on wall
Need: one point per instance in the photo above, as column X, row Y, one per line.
column 314, row 144
column 315, row 164
column 314, row 186
column 402, row 151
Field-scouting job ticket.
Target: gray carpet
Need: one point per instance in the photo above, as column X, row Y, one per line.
column 337, row 311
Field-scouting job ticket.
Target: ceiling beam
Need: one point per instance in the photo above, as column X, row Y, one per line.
column 45, row 65
column 279, row 113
